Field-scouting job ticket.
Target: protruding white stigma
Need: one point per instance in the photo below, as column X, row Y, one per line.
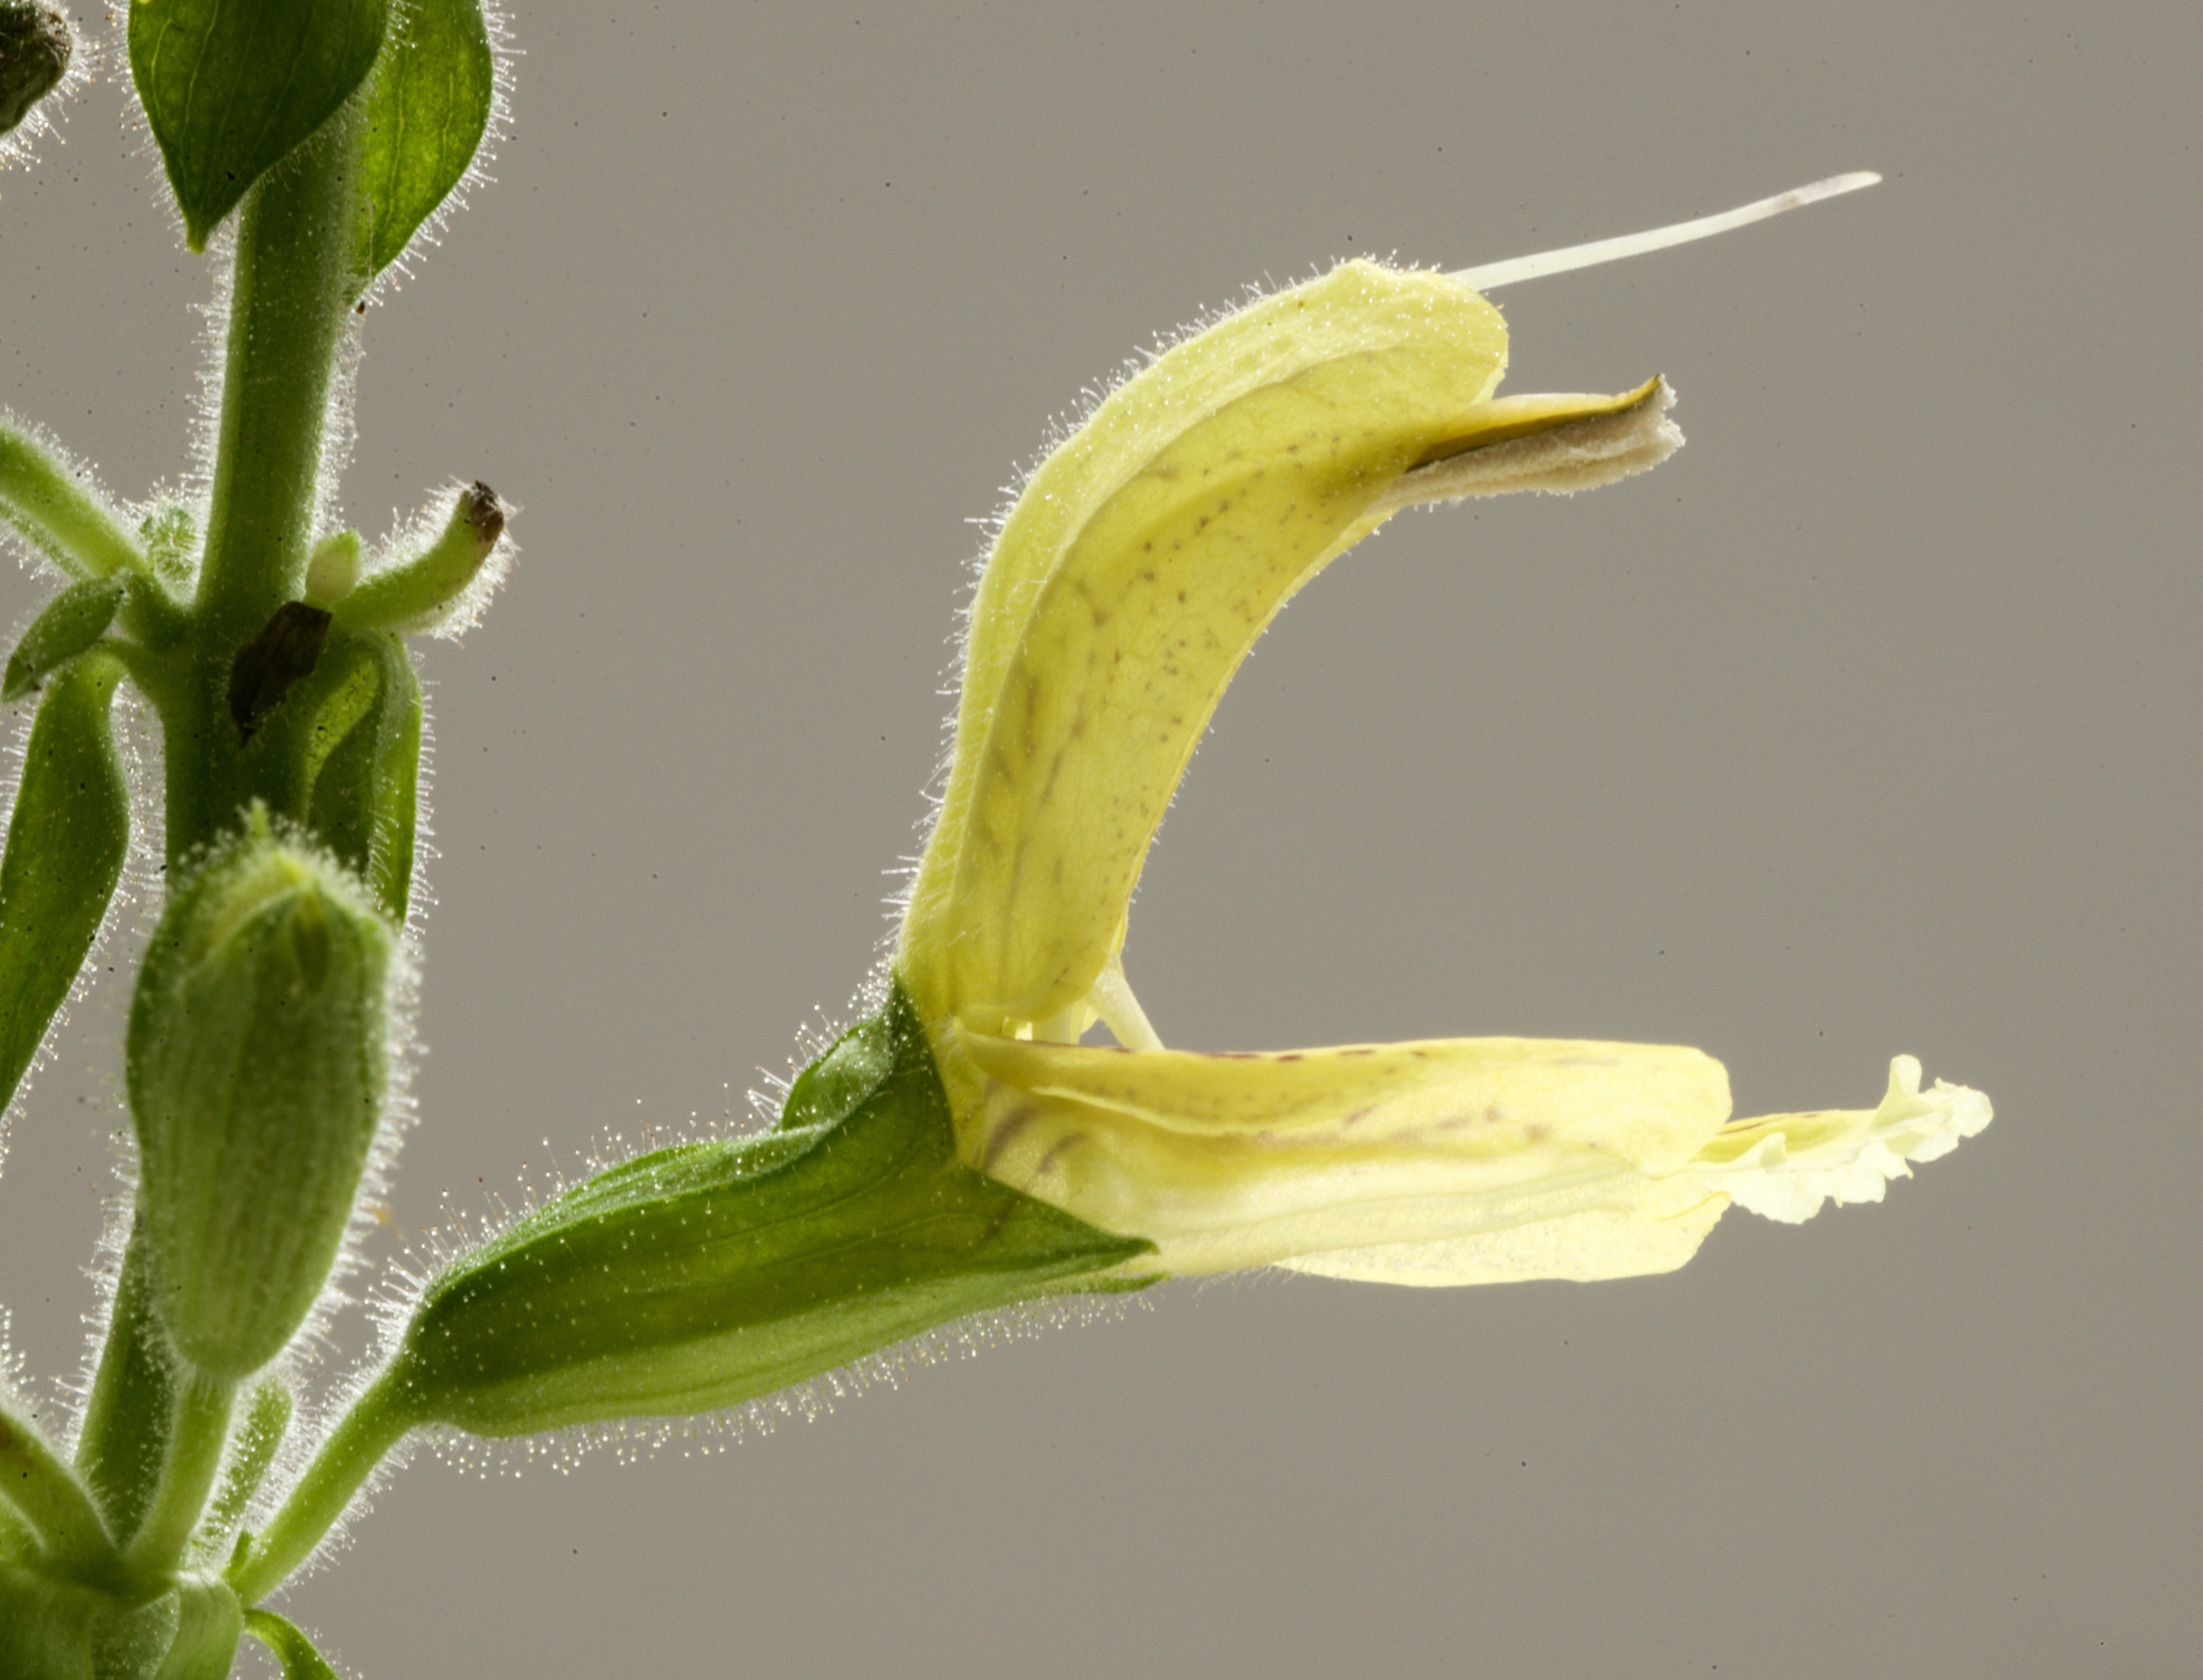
column 1495, row 275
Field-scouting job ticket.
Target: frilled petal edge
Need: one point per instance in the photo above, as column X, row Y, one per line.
column 1785, row 1166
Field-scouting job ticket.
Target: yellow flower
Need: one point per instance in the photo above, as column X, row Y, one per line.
column 1141, row 562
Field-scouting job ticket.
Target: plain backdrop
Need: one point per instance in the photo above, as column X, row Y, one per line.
column 1868, row 724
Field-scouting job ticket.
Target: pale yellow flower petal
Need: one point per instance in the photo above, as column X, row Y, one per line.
column 1141, row 561
column 1658, row 1234
column 1227, row 1162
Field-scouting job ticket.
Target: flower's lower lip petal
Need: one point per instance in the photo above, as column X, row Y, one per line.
column 1784, row 1167
column 1585, row 1247
column 1230, row 1161
column 1215, row 1204
column 1654, row 1106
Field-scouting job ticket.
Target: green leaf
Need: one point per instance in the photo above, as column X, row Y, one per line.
column 231, row 87
column 292, row 1647
column 713, row 1273
column 67, row 839
column 427, row 115
column 73, row 619
column 353, row 729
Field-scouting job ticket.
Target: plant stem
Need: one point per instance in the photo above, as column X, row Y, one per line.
column 267, row 1416
column 292, row 292
column 125, row 1441
column 195, row 1448
column 61, row 518
column 377, row 1421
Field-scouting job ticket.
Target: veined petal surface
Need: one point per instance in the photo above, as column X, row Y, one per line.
column 1230, row 1161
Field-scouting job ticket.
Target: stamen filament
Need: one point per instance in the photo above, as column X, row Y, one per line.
column 1492, row 275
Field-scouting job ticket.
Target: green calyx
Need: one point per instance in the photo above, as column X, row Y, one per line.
column 257, row 1058
column 60, row 1630
column 710, row 1274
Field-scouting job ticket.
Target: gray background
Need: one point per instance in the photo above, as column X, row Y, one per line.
column 1866, row 725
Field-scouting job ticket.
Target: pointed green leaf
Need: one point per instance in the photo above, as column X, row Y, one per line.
column 67, row 839
column 712, row 1273
column 231, row 87
column 353, row 729
column 427, row 115
column 73, row 619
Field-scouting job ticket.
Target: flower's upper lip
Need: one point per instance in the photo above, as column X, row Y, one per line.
column 1141, row 563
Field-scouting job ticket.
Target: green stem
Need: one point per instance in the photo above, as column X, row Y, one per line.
column 292, row 1647
column 292, row 292
column 60, row 516
column 292, row 289
column 377, row 1421
column 203, row 1405
column 267, row 1416
column 125, row 1441
column 55, row 1507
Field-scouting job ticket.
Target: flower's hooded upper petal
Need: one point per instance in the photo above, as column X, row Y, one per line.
column 1144, row 558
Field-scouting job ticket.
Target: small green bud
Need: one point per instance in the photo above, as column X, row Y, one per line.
column 171, row 537
column 428, row 589
column 332, row 569
column 34, row 55
column 258, row 1061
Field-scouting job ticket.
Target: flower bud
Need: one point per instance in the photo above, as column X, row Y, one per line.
column 75, row 618
column 257, row 1066
column 332, row 569
column 34, row 56
column 433, row 589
